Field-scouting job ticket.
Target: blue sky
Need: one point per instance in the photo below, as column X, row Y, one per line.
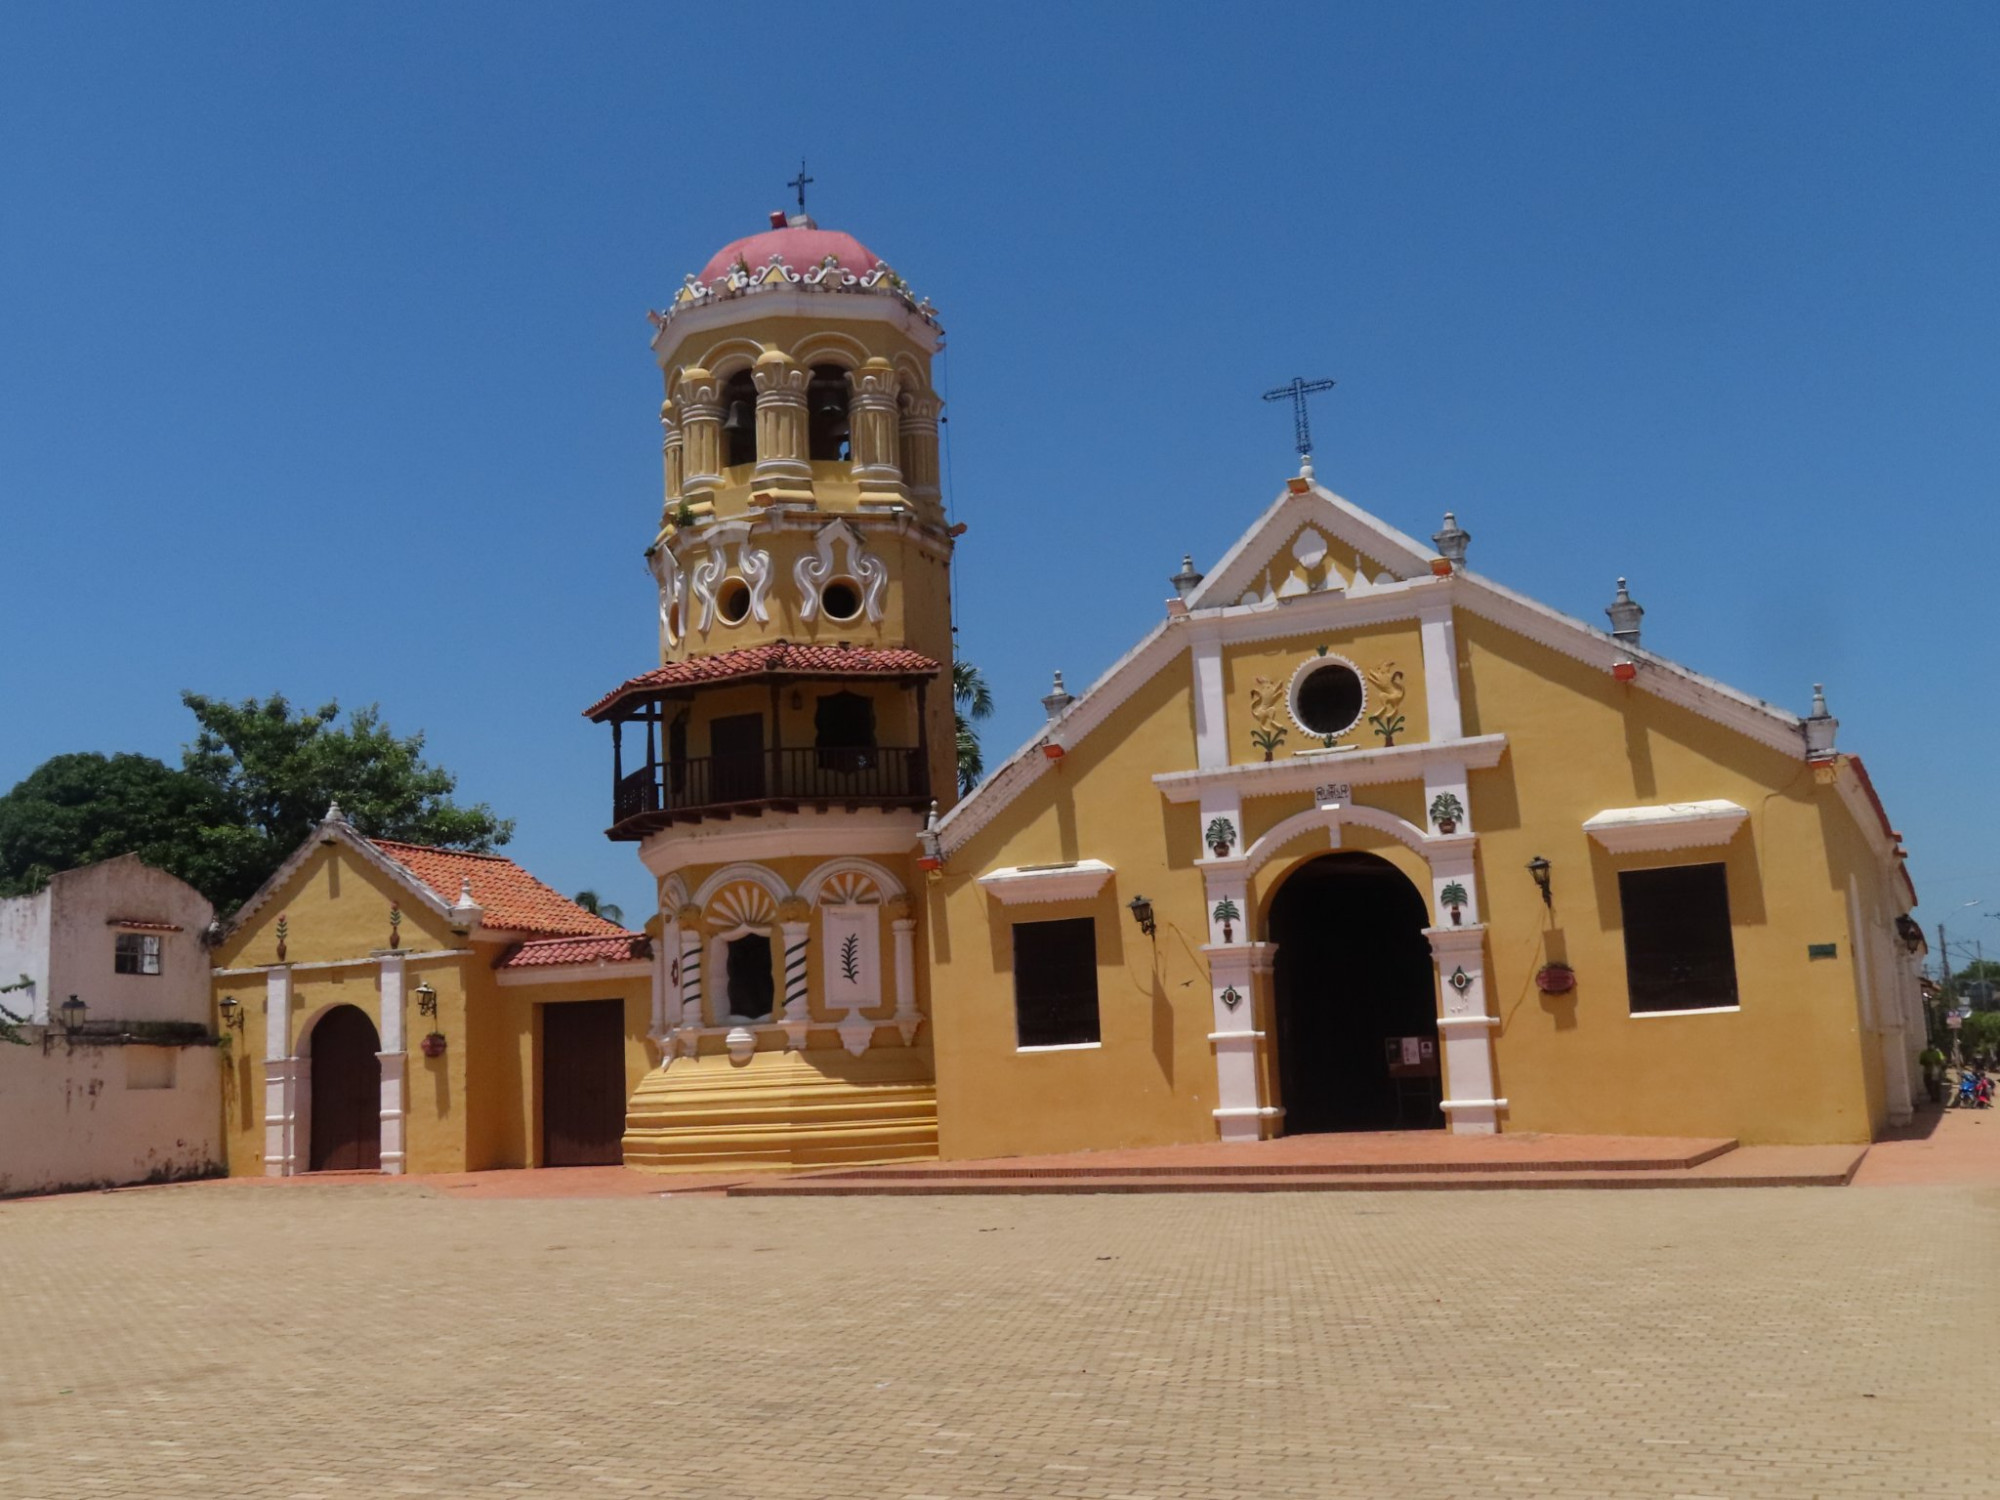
column 323, row 360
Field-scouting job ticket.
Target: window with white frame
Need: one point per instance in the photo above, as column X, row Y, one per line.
column 1055, row 983
column 1679, row 951
column 137, row 953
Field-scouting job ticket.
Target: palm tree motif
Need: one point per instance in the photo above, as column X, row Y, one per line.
column 1454, row 897
column 1446, row 810
column 1220, row 835
column 1227, row 914
column 971, row 700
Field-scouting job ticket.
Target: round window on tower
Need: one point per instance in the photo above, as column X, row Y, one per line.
column 1328, row 697
column 733, row 601
column 841, row 599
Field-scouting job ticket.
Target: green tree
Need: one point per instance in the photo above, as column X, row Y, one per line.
column 1977, row 985
column 256, row 780
column 971, row 700
column 74, row 810
column 597, row 906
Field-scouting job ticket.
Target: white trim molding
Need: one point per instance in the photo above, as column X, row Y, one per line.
column 1354, row 767
column 1020, row 885
column 1674, row 825
column 579, row 973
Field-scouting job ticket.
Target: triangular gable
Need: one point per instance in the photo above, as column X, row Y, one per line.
column 336, row 829
column 1375, row 546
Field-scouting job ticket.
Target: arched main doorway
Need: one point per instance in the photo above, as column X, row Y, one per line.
column 346, row 1094
column 1356, row 998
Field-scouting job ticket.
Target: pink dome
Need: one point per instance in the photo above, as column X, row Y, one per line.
column 799, row 247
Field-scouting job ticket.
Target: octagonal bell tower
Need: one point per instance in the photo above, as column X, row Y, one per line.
column 778, row 765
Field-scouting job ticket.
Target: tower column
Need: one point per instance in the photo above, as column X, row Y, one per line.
column 782, row 465
column 671, row 455
column 918, row 439
column 700, row 402
column 872, row 416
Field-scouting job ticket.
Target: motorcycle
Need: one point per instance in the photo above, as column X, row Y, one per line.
column 1975, row 1091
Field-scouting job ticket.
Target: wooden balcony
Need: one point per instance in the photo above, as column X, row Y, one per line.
column 721, row 786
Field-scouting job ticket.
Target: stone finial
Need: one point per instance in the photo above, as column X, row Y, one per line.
column 1451, row 540
column 1058, row 699
column 333, row 813
column 1188, row 579
column 466, row 912
column 1821, row 726
column 1625, row 614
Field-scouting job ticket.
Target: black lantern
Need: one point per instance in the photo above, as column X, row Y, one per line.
column 73, row 1013
column 427, row 1000
column 1142, row 913
column 232, row 1012
column 1539, row 868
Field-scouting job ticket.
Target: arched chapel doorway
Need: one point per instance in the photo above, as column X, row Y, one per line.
column 1356, row 998
column 346, row 1094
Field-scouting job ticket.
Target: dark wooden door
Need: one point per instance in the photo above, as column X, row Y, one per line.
column 737, row 744
column 346, row 1093
column 583, row 1083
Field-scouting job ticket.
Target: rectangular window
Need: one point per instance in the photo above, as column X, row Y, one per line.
column 1055, row 982
column 1679, row 954
column 138, row 953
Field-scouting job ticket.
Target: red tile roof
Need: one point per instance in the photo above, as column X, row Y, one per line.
column 513, row 899
column 779, row 660
column 542, row 953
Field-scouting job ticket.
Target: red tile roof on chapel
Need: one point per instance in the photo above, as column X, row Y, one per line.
column 542, row 953
column 779, row 660
column 513, row 899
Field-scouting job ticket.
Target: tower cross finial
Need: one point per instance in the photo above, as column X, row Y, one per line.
column 1296, row 393
column 801, row 182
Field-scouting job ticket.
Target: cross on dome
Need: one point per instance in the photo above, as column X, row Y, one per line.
column 1296, row 392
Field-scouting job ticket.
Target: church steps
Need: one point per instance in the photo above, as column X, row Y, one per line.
column 1002, row 1169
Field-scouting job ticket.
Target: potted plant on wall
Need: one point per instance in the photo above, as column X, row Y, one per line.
column 1227, row 914
column 1453, row 896
column 1446, row 810
column 1221, row 834
column 433, row 1044
column 1556, row 978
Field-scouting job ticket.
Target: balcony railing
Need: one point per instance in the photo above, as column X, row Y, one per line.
column 876, row 775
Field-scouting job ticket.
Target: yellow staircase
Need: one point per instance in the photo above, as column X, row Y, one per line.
column 784, row 1110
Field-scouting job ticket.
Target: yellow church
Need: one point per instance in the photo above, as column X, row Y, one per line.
column 1354, row 838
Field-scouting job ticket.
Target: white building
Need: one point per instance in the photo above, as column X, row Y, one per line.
column 126, row 1084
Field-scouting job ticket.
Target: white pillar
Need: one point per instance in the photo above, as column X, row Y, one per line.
column 279, row 1092
column 1211, row 719
column 1465, row 1031
column 796, row 939
column 691, row 1016
column 1441, row 701
column 903, row 932
column 664, row 1010
column 1241, row 1112
column 394, row 1058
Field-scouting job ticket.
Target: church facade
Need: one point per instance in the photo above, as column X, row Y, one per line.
column 1354, row 838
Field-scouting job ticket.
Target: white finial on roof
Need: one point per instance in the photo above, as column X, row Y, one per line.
column 465, row 912
column 333, row 812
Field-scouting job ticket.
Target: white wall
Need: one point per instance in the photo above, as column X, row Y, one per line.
column 82, row 943
column 79, row 1114
column 24, row 949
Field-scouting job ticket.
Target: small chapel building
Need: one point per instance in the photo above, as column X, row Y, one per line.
column 1353, row 838
column 395, row 1008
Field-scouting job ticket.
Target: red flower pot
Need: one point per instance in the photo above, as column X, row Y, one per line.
column 1555, row 979
column 433, row 1044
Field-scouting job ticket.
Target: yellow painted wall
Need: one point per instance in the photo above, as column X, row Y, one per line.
column 475, row 1107
column 1153, row 1078
column 1371, row 648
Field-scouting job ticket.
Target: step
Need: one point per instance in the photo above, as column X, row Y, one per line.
column 1437, row 1167
column 843, row 1185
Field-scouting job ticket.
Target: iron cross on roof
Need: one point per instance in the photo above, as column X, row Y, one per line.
column 801, row 182
column 1297, row 392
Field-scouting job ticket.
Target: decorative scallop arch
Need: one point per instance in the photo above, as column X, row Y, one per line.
column 736, row 873
column 730, row 357
column 845, row 875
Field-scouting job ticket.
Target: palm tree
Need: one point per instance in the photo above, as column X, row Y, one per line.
column 971, row 699
column 591, row 902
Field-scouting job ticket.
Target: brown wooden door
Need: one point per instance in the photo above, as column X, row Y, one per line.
column 737, row 745
column 346, row 1093
column 583, row 1083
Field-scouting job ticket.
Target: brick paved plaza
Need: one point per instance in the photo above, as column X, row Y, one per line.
column 384, row 1339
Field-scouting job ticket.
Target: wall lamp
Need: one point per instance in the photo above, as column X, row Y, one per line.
column 1142, row 913
column 73, row 1011
column 427, row 1005
column 232, row 1012
column 1539, row 868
